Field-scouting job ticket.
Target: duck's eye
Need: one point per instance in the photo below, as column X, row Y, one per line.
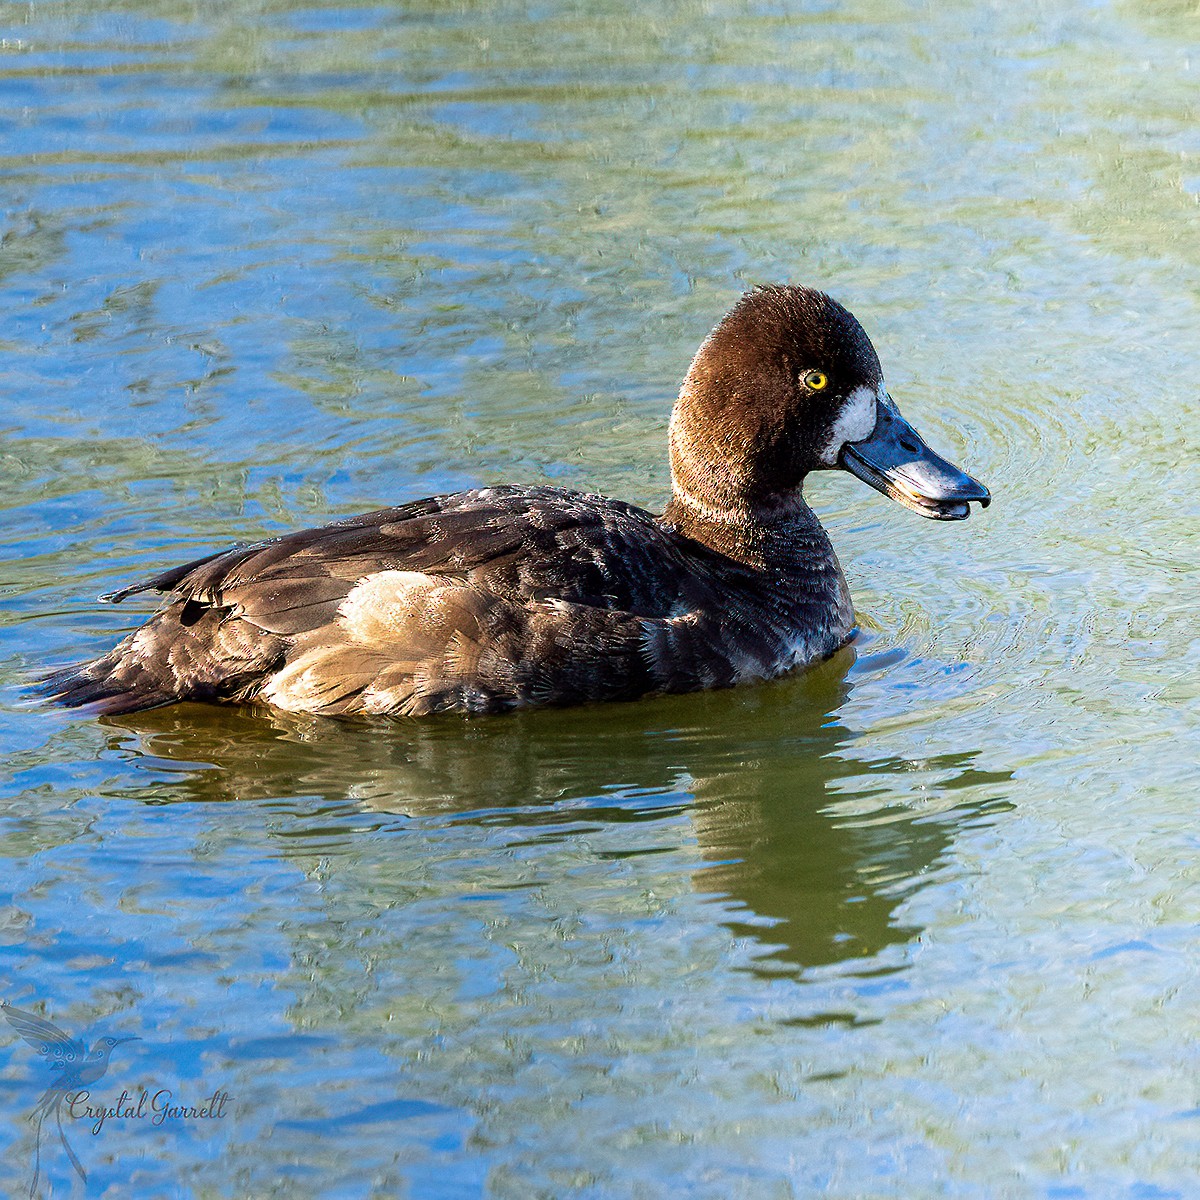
column 816, row 381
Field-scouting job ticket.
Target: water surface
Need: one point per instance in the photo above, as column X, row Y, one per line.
column 920, row 922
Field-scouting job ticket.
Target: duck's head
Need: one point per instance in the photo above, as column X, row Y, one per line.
column 789, row 383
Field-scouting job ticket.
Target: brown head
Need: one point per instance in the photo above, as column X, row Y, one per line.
column 789, row 383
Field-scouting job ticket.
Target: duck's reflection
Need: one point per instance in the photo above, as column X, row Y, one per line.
column 762, row 772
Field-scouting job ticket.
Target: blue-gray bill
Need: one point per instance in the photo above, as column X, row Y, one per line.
column 896, row 461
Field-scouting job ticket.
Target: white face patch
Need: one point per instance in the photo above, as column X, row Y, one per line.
column 855, row 421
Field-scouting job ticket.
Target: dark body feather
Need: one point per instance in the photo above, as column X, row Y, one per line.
column 480, row 601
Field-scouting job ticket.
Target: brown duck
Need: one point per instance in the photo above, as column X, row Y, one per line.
column 507, row 597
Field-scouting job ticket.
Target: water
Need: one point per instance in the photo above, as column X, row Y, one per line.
column 922, row 922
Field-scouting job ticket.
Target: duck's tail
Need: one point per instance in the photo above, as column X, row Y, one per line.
column 188, row 651
column 107, row 686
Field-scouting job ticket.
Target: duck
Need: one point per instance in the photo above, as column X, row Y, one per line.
column 509, row 597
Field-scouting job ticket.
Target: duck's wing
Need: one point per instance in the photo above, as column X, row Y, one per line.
column 519, row 544
column 482, row 600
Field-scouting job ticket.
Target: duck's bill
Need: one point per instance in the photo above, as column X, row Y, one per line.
column 896, row 461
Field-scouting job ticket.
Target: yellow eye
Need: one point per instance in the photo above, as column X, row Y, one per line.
column 817, row 381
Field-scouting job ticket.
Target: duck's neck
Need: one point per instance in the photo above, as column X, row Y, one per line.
column 776, row 533
column 728, row 488
column 735, row 488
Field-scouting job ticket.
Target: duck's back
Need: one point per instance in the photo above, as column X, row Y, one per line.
column 480, row 601
column 520, row 544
